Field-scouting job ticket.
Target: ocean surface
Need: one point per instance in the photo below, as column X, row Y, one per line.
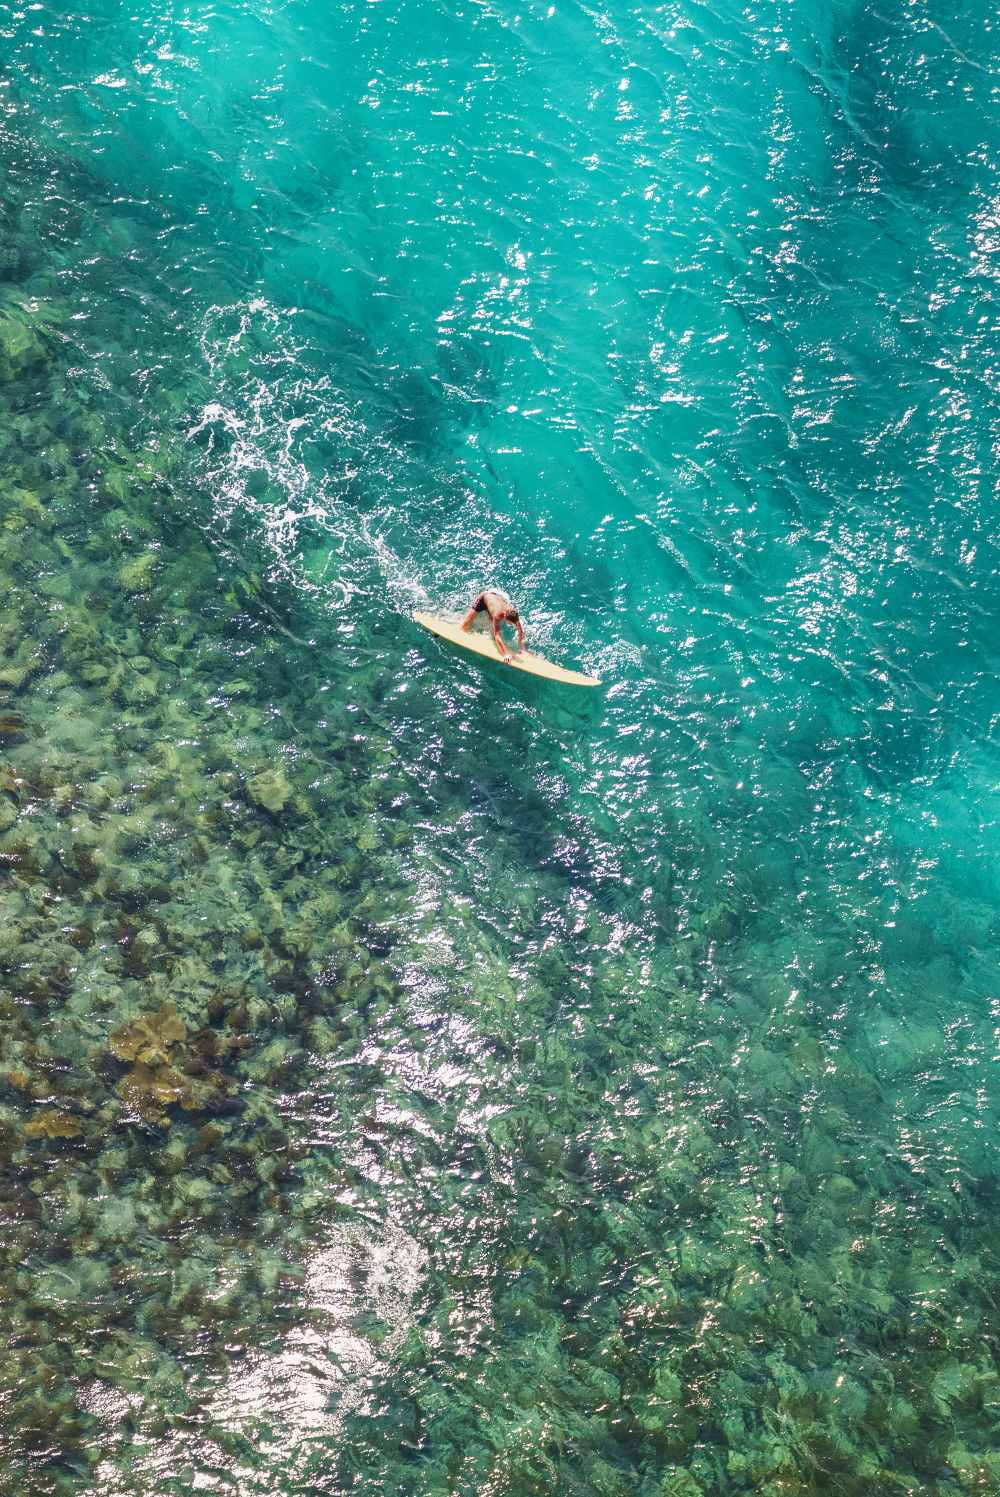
column 418, row 1080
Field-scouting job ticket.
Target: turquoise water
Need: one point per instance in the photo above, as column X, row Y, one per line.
column 418, row 1081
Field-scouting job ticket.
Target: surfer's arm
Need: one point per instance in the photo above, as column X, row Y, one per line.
column 520, row 634
column 498, row 641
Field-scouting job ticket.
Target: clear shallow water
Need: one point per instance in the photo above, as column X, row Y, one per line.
column 417, row 1084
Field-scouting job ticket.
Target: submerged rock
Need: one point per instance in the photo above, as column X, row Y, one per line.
column 137, row 575
column 270, row 789
column 20, row 346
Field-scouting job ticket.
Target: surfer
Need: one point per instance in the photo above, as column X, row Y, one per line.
column 500, row 612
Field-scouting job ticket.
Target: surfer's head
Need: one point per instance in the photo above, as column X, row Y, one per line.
column 512, row 616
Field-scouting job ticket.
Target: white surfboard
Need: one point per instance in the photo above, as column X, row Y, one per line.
column 482, row 644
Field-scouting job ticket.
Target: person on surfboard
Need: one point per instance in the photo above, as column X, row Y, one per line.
column 500, row 612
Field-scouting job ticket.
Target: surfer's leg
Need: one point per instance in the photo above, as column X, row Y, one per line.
column 478, row 606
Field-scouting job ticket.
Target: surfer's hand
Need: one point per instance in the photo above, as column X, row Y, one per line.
column 506, row 660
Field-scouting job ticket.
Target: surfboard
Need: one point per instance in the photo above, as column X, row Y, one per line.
column 482, row 644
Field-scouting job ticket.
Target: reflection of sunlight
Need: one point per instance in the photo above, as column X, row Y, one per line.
column 323, row 1370
column 288, row 1403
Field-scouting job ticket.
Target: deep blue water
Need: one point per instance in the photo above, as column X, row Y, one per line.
column 414, row 1080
